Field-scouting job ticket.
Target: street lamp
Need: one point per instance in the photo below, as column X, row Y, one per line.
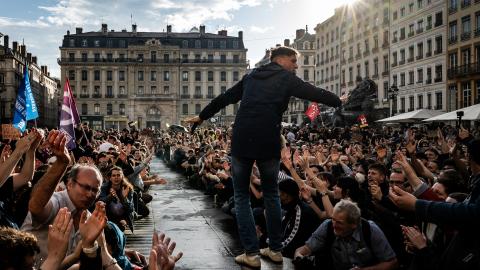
column 392, row 94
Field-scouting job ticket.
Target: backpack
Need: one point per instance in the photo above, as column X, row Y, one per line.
column 323, row 259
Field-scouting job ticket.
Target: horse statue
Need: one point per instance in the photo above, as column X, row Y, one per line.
column 360, row 101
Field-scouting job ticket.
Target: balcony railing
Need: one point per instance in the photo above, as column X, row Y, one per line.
column 385, row 45
column 477, row 31
column 96, row 96
column 429, row 26
column 428, row 81
column 419, row 30
column 84, row 95
column 438, row 23
column 464, row 70
column 410, row 34
column 122, row 96
column 410, row 59
column 465, row 3
column 401, row 62
column 452, row 10
column 109, row 96
column 452, row 39
column 419, row 56
column 68, row 60
column 394, row 64
column 185, row 96
column 394, row 40
column 466, row 36
column 385, row 73
column 438, row 52
column 197, row 96
column 428, row 54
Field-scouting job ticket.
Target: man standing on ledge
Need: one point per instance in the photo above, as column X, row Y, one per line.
column 265, row 93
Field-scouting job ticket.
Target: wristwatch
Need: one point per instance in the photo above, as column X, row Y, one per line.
column 322, row 193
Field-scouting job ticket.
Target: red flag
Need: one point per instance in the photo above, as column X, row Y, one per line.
column 363, row 121
column 313, row 111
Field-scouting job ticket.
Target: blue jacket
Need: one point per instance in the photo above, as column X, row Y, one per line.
column 264, row 93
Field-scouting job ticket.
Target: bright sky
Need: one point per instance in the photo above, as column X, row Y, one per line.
column 42, row 23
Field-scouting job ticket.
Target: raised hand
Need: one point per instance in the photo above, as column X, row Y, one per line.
column 57, row 140
column 161, row 257
column 92, row 227
column 24, row 143
column 402, row 199
column 414, row 237
column 305, row 193
column 59, row 234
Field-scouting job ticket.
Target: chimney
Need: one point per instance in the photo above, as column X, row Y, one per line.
column 68, row 32
column 34, row 59
column 286, row 42
column 169, row 28
column 202, row 29
column 46, row 71
column 240, row 35
column 23, row 50
column 134, row 29
column 222, row 33
column 299, row 33
column 5, row 43
column 78, row 30
column 104, row 28
column 42, row 68
column 29, row 58
column 14, row 46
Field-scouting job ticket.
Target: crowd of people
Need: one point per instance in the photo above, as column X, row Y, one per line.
column 354, row 198
column 62, row 209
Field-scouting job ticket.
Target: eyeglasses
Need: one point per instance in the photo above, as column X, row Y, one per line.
column 87, row 188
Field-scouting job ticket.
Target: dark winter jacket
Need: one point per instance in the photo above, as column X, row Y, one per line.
column 264, row 95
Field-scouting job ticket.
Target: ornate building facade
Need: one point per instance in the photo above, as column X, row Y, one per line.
column 151, row 78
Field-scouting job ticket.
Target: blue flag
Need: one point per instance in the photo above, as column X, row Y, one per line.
column 25, row 107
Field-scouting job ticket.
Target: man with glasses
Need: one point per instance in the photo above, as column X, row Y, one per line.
column 83, row 187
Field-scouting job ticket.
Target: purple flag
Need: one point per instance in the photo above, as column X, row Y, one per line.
column 73, row 105
column 67, row 117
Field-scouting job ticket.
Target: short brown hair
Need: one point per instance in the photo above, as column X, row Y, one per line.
column 282, row 51
column 16, row 245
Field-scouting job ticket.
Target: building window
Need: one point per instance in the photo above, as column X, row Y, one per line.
column 184, row 108
column 198, row 44
column 438, row 19
column 420, row 75
column 210, row 92
column 185, row 44
column 198, row 92
column 466, row 26
column 109, row 75
column 140, row 90
column 109, row 57
column 96, row 109
column 438, row 73
column 121, row 75
column 84, row 57
column 153, row 57
column 121, row 90
column 223, row 58
column 84, row 108
column 402, row 104
column 367, row 69
column 72, row 42
column 166, row 75
column 140, row 75
column 153, row 75
column 439, row 97
column 71, row 75
column 166, row 90
column 96, row 57
column 467, row 94
column 96, row 90
column 109, row 109
column 96, row 43
column 198, row 76
column 223, row 89
column 236, row 59
column 438, row 44
column 184, row 76
column 198, row 108
column 235, row 76
column 420, row 102
column 402, row 79
column 153, row 90
column 429, row 101
column 411, row 101
column 185, row 90
column 210, row 58
column 121, row 109
column 109, row 91
column 223, row 44
column 235, row 44
column 210, row 76
column 305, row 76
column 184, row 58
column 411, row 78
column 84, row 43
column 223, row 76
column 166, row 58
column 84, row 75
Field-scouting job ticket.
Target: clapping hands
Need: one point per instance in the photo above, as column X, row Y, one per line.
column 161, row 255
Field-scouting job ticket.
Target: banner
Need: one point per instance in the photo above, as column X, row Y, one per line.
column 25, row 106
column 313, row 111
column 67, row 119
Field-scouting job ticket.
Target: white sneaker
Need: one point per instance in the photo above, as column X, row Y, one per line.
column 251, row 261
column 274, row 256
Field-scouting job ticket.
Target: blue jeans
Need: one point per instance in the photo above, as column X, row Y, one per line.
column 241, row 171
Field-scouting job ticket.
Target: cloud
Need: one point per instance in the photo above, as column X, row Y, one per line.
column 70, row 12
column 260, row 30
column 11, row 22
